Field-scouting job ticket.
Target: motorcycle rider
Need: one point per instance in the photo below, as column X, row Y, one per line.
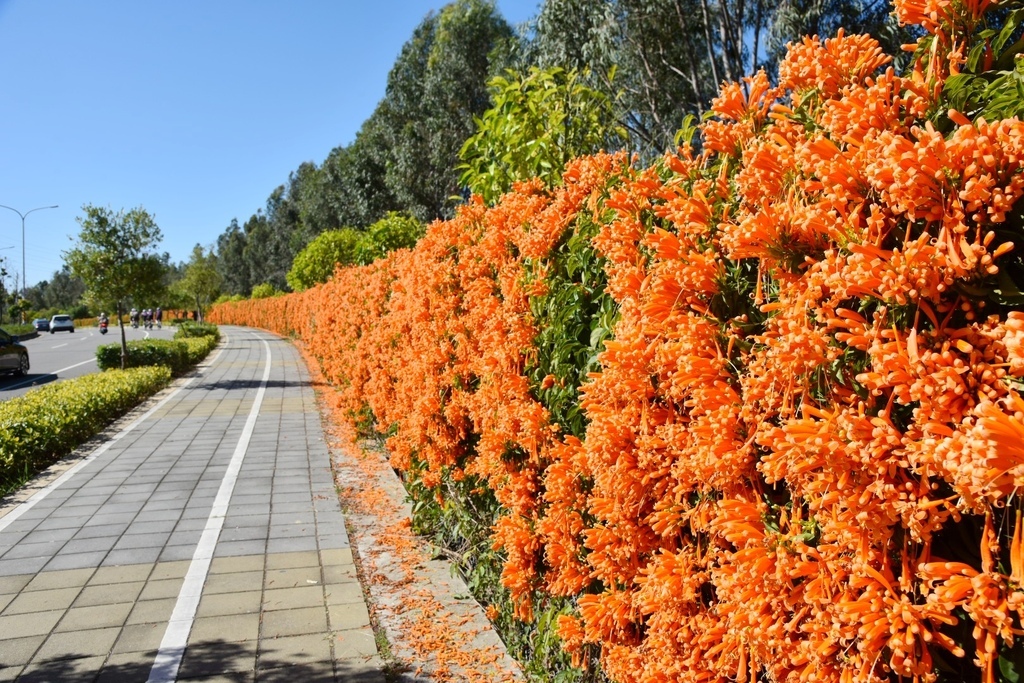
column 103, row 323
column 134, row 317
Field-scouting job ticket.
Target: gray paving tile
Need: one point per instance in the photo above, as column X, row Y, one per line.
column 75, row 560
column 59, row 523
column 105, row 518
column 247, row 520
column 171, row 553
column 154, row 527
column 152, row 611
column 19, row 651
column 235, row 548
column 243, row 533
column 286, row 651
column 33, row 550
column 156, row 516
column 121, row 574
column 287, row 545
column 16, row 626
column 139, row 638
column 85, row 545
column 75, row 644
column 11, row 585
column 150, row 540
column 109, row 594
column 42, row 600
column 49, row 535
column 18, row 566
column 102, row 530
column 94, row 616
column 131, row 556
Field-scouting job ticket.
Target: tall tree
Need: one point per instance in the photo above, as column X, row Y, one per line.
column 792, row 19
column 201, row 281
column 115, row 255
column 664, row 59
column 436, row 87
column 231, row 260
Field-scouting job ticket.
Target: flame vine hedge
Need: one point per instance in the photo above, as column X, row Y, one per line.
column 752, row 413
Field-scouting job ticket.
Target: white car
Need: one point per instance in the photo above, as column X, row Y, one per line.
column 59, row 323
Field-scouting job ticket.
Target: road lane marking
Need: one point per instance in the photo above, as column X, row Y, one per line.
column 17, row 512
column 55, row 372
column 172, row 647
column 60, row 345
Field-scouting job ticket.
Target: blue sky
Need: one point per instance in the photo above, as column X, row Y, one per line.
column 194, row 109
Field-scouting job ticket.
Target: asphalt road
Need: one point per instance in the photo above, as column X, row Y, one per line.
column 68, row 354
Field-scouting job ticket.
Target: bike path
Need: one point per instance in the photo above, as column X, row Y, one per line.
column 204, row 541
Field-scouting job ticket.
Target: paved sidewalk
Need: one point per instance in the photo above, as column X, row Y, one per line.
column 92, row 572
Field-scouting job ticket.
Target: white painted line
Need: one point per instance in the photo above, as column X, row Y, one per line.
column 60, row 345
column 172, row 647
column 55, row 372
column 17, row 512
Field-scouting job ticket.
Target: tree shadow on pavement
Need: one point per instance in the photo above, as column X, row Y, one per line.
column 216, row 659
column 235, row 384
column 30, row 380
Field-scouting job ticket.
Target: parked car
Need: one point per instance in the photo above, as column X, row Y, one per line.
column 60, row 323
column 13, row 356
column 41, row 324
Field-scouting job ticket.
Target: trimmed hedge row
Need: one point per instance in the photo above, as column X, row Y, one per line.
column 198, row 348
column 192, row 343
column 49, row 422
column 187, row 330
column 143, row 352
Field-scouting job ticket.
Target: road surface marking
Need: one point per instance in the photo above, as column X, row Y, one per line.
column 60, row 345
column 172, row 647
column 55, row 372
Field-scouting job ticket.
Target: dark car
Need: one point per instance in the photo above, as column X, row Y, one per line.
column 13, row 356
column 41, row 324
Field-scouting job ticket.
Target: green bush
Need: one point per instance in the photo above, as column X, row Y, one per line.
column 394, row 231
column 143, row 352
column 265, row 291
column 49, row 422
column 188, row 330
column 316, row 262
column 199, row 348
column 18, row 330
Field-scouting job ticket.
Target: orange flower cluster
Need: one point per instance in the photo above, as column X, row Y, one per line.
column 807, row 402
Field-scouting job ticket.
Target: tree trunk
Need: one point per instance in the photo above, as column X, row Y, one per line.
column 709, row 43
column 124, row 341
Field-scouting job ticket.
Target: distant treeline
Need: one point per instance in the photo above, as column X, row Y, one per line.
column 657, row 61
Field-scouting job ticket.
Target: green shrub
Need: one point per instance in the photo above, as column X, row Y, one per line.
column 49, row 422
column 18, row 330
column 265, row 291
column 394, row 231
column 143, row 352
column 188, row 330
column 316, row 262
column 199, row 348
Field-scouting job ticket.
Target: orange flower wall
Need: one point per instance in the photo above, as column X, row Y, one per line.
column 805, row 437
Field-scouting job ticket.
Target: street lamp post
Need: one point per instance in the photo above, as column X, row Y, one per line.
column 24, row 280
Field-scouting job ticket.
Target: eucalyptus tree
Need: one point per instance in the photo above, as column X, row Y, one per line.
column 231, row 260
column 115, row 256
column 435, row 88
column 661, row 60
